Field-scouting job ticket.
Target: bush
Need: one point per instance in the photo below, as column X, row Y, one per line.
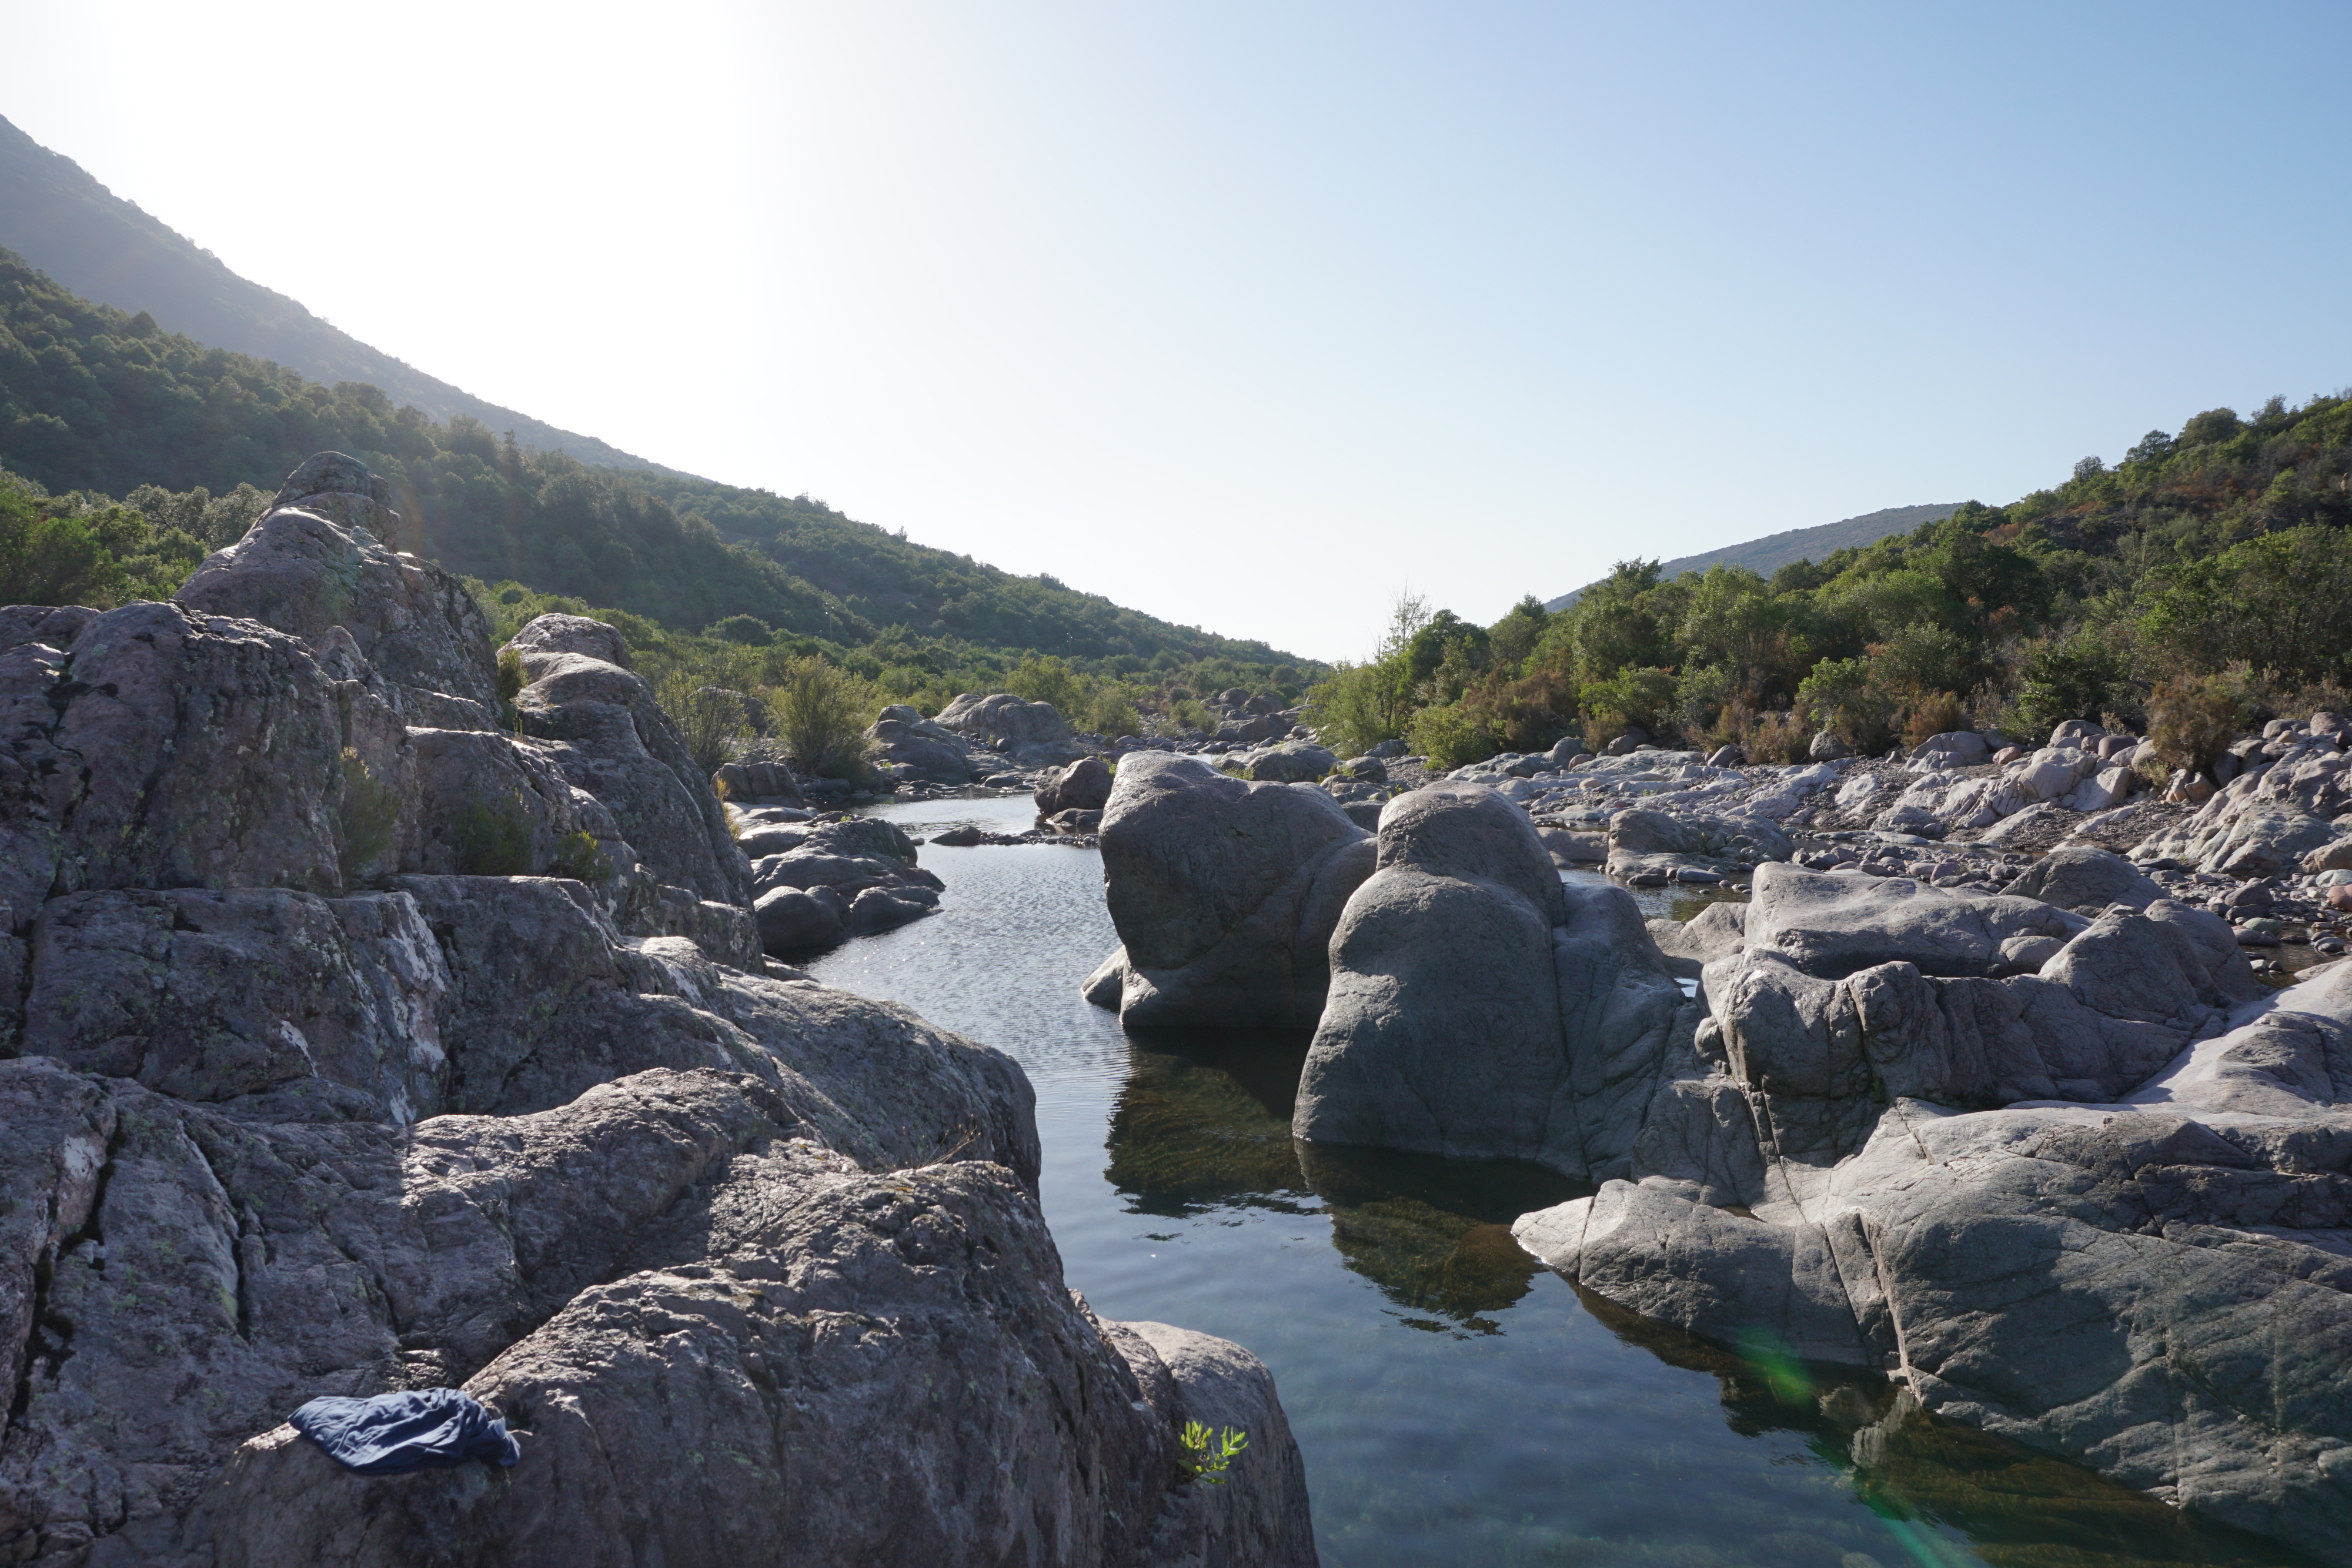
column 2079, row 678
column 580, row 857
column 368, row 816
column 1110, row 713
column 2193, row 719
column 820, row 713
column 495, row 839
column 1778, row 738
column 1190, row 712
column 707, row 717
column 1048, row 680
column 1630, row 699
column 1938, row 712
column 1841, row 696
column 748, row 630
column 1449, row 737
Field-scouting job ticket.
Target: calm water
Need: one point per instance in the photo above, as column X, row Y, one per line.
column 1456, row 1405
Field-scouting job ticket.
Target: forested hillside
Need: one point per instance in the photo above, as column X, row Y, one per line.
column 2210, row 572
column 60, row 219
column 96, row 404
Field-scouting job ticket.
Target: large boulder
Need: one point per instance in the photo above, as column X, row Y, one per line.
column 1083, row 786
column 322, row 557
column 1480, row 1010
column 1880, row 1170
column 905, row 740
column 606, row 734
column 2288, row 813
column 1293, row 762
column 1643, row 843
column 1032, row 734
column 2085, row 879
column 1830, row 926
column 1224, row 894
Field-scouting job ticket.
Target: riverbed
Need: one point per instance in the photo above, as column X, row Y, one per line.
column 1455, row 1404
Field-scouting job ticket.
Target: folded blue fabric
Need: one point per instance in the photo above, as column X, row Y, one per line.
column 391, row 1434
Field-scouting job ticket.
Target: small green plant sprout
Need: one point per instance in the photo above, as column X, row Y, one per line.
column 1208, row 1455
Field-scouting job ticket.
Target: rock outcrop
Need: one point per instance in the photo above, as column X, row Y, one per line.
column 1224, row 895
column 2096, row 1206
column 1479, row 1008
column 911, row 747
column 1033, row 735
column 315, row 1086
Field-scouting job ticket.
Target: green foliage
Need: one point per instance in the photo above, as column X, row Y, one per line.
column 707, row 716
column 1209, row 1455
column 1047, row 680
column 580, row 857
column 93, row 400
column 494, row 839
column 2077, row 678
column 1110, row 713
column 367, row 817
column 1191, row 713
column 821, row 714
column 1449, row 737
column 1845, row 697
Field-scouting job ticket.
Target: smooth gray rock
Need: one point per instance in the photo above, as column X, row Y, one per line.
column 904, row 738
column 1876, row 1171
column 1035, row 735
column 606, row 734
column 2085, row 879
column 1831, row 926
column 1292, row 762
column 816, row 1424
column 792, row 921
column 1083, row 786
column 1224, row 894
column 1644, row 842
column 309, row 564
column 1478, row 1008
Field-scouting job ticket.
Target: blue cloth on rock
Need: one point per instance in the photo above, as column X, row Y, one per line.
column 391, row 1434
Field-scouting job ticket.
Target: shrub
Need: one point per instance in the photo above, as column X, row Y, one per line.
column 1449, row 737
column 748, row 630
column 494, row 839
column 1778, row 738
column 580, row 857
column 706, row 717
column 1048, row 680
column 1190, row 712
column 512, row 678
column 1110, row 713
column 2193, row 719
column 2078, row 678
column 1939, row 713
column 820, row 714
column 368, row 816
column 1630, row 699
column 1841, row 697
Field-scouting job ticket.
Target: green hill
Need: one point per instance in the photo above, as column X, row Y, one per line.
column 100, row 404
column 2204, row 580
column 60, row 219
column 1773, row 551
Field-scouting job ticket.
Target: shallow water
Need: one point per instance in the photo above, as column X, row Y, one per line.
column 1455, row 1403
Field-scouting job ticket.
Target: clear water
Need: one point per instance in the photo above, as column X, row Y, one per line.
column 1455, row 1403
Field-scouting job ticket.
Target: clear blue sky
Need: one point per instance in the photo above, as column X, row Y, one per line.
column 1252, row 314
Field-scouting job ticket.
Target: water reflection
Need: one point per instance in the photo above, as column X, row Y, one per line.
column 1454, row 1402
column 1204, row 1121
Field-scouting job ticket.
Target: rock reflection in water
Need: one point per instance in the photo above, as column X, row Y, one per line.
column 1204, row 1121
column 2018, row 1508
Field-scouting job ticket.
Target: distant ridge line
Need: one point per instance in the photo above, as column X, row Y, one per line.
column 1773, row 551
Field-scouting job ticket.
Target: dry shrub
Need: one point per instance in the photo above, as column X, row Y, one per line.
column 2193, row 718
column 1778, row 738
column 1938, row 712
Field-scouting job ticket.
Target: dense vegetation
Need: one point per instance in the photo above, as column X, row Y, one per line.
column 1773, row 551
column 2210, row 570
column 96, row 404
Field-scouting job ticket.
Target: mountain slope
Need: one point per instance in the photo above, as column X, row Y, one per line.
column 94, row 400
column 1773, row 551
column 59, row 219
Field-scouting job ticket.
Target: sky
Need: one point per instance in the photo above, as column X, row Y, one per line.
column 1253, row 314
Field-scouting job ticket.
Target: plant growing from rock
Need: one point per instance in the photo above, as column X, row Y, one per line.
column 366, row 817
column 1207, row 1455
column 494, row 839
column 821, row 714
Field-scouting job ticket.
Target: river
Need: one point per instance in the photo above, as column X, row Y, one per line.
column 1455, row 1404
